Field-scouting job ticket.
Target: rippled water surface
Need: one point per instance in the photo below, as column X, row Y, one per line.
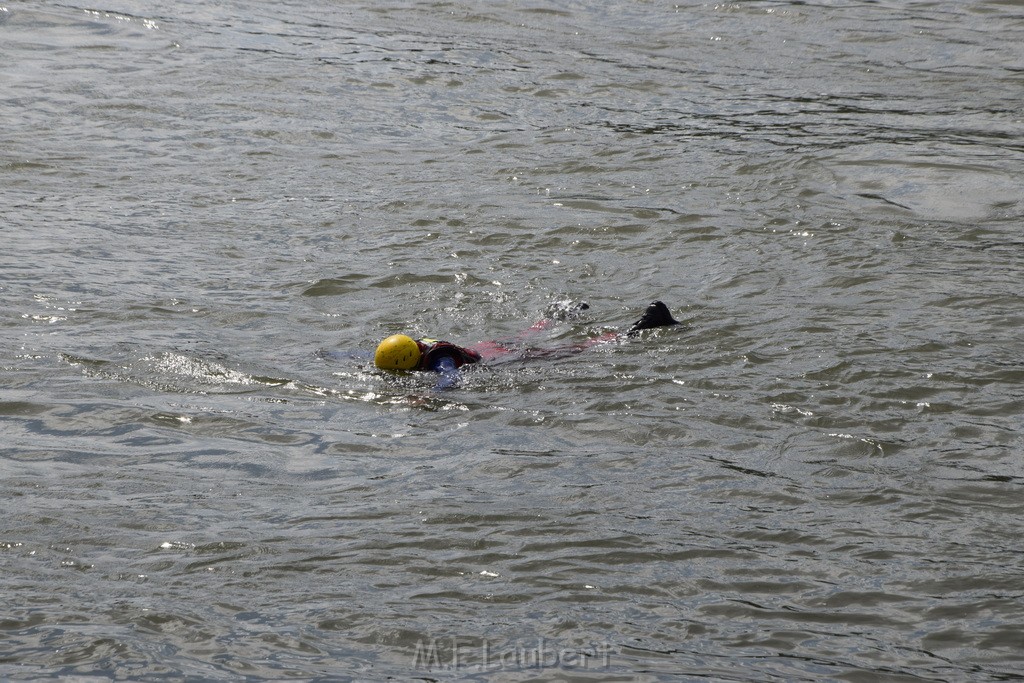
column 211, row 212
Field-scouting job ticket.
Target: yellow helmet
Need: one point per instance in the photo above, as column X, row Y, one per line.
column 397, row 352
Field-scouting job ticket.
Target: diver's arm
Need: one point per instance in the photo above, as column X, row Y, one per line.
column 450, row 377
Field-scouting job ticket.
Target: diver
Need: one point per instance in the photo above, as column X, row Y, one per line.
column 402, row 352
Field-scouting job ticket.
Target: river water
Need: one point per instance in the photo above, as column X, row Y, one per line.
column 211, row 211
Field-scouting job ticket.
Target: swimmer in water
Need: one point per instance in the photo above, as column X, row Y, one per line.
column 402, row 352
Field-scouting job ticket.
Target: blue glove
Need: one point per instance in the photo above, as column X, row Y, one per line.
column 450, row 377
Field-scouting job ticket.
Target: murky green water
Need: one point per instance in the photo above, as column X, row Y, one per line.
column 817, row 477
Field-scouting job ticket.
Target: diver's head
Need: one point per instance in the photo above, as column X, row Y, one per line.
column 397, row 352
